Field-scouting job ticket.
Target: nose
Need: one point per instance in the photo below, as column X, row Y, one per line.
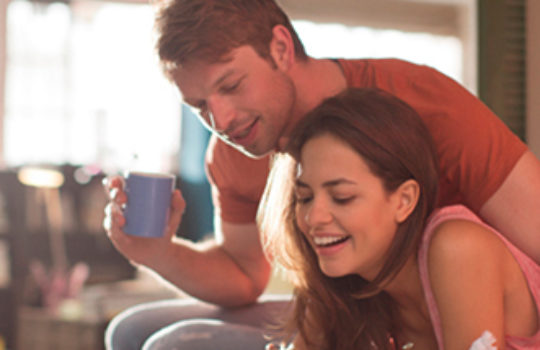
column 220, row 114
column 318, row 213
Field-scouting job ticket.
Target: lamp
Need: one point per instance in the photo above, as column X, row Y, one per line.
column 59, row 284
column 40, row 177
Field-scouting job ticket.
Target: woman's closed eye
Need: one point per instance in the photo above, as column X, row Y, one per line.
column 302, row 199
column 343, row 199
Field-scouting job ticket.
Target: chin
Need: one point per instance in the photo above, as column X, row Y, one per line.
column 334, row 271
column 254, row 152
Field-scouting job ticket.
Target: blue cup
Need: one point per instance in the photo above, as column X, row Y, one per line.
column 148, row 203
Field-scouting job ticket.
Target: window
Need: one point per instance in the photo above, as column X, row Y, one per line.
column 443, row 53
column 83, row 86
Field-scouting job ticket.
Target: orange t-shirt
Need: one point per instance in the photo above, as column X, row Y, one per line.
column 476, row 150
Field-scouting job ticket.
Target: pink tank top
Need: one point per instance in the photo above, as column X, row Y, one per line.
column 530, row 269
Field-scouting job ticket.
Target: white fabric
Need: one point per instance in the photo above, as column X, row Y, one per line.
column 485, row 342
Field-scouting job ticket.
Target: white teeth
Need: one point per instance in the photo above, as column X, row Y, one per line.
column 327, row 240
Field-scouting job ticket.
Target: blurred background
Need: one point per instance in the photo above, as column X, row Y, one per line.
column 82, row 97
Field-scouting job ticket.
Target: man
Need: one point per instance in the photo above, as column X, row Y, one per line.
column 241, row 64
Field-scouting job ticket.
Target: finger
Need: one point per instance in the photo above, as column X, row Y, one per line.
column 178, row 205
column 112, row 181
column 113, row 226
column 177, row 201
column 108, row 224
column 118, row 196
column 113, row 208
column 109, row 181
column 113, row 218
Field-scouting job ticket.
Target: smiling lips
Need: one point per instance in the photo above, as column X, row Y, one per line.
column 328, row 241
column 245, row 136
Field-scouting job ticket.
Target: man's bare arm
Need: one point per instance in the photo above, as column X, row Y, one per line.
column 514, row 209
column 229, row 271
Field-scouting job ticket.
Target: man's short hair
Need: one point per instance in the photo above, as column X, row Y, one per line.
column 208, row 30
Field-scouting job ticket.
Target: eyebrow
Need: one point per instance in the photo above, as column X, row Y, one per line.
column 331, row 183
column 195, row 102
column 228, row 73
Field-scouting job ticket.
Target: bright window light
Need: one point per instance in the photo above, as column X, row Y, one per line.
column 443, row 53
column 84, row 86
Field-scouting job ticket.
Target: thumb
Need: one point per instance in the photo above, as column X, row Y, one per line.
column 178, row 205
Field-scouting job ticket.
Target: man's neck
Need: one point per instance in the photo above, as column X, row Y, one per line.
column 314, row 80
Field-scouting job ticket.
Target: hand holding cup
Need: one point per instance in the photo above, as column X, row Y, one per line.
column 148, row 202
column 143, row 247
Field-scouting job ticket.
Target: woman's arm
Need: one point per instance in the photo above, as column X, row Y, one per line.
column 466, row 273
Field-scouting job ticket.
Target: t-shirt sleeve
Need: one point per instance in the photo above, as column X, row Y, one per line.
column 237, row 182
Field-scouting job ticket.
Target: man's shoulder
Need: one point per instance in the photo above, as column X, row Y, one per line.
column 385, row 73
column 230, row 165
column 237, row 181
column 219, row 152
column 389, row 64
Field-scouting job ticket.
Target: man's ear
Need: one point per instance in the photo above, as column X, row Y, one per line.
column 282, row 47
column 407, row 196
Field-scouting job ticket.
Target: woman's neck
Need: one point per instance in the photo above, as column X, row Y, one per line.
column 406, row 287
column 415, row 323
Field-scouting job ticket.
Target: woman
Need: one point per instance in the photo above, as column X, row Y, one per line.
column 374, row 264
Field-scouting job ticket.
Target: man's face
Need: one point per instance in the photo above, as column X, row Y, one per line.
column 245, row 100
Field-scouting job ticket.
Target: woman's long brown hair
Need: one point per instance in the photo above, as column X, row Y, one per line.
column 350, row 312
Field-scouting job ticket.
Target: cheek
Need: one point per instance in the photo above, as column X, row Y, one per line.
column 282, row 92
column 300, row 219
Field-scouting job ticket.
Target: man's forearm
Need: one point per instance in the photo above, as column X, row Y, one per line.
column 513, row 208
column 205, row 271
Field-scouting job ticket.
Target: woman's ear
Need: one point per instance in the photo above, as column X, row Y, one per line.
column 282, row 47
column 407, row 196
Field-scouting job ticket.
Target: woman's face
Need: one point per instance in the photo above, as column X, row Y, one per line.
column 343, row 209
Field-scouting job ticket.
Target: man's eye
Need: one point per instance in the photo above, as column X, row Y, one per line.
column 230, row 88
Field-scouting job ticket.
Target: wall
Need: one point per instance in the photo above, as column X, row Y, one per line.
column 533, row 76
column 468, row 33
column 3, row 10
column 405, row 15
